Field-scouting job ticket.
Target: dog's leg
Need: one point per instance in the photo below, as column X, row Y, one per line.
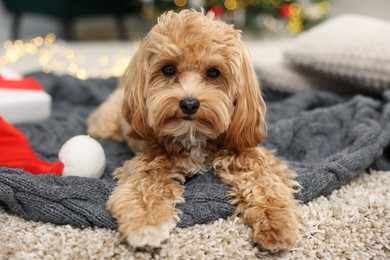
column 105, row 121
column 262, row 188
column 143, row 203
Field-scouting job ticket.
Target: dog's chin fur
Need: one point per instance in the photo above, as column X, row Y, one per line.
column 222, row 135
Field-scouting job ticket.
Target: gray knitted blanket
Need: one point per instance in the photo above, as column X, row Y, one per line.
column 327, row 139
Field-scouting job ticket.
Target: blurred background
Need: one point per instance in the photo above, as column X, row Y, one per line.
column 97, row 37
column 129, row 19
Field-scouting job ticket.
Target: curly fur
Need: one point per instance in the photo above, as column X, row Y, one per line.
column 223, row 135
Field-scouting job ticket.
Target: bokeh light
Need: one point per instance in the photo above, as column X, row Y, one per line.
column 57, row 58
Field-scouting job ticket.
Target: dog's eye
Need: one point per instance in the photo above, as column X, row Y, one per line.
column 169, row 70
column 212, row 73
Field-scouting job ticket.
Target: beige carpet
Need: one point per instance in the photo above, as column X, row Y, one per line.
column 351, row 223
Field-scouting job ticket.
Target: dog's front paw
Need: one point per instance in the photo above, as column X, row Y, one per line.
column 276, row 235
column 152, row 236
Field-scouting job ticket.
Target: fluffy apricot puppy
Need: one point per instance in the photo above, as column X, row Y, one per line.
column 189, row 102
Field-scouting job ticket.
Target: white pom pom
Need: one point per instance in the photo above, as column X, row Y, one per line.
column 82, row 156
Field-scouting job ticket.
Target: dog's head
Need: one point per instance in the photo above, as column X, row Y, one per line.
column 192, row 77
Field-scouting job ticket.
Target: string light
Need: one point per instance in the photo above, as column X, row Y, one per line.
column 231, row 4
column 295, row 9
column 180, row 3
column 322, row 8
column 104, row 60
column 56, row 58
column 295, row 24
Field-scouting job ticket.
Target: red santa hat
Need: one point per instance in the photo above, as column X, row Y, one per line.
column 79, row 156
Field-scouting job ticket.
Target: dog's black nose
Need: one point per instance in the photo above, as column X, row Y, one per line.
column 189, row 105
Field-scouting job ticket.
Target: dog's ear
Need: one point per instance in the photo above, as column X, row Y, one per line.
column 134, row 105
column 247, row 127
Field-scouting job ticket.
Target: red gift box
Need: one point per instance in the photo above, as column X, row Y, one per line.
column 23, row 99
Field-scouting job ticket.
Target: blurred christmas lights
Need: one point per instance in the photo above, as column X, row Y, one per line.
column 273, row 15
column 59, row 59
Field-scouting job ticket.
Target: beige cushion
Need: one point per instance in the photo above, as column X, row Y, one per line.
column 354, row 49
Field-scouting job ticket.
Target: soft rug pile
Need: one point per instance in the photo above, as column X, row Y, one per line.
column 351, row 223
